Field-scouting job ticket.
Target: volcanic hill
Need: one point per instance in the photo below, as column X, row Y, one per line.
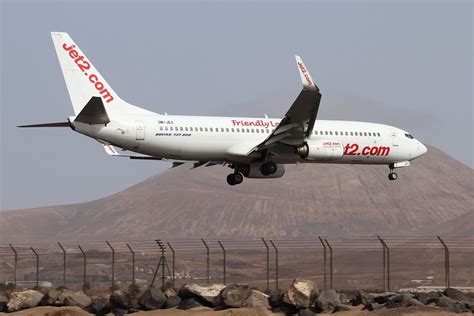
column 435, row 194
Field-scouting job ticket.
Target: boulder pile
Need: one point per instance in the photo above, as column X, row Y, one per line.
column 302, row 298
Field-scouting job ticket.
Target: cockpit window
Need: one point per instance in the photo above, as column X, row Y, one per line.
column 409, row 136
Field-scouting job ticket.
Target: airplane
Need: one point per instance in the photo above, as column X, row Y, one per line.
column 251, row 147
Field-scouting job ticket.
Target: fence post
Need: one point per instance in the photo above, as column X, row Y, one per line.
column 388, row 262
column 173, row 266
column 276, row 263
column 163, row 262
column 37, row 266
column 16, row 262
column 133, row 263
column 113, row 266
column 85, row 269
column 64, row 263
column 324, row 258
column 330, row 264
column 224, row 263
column 207, row 252
column 383, row 262
column 268, row 264
column 446, row 263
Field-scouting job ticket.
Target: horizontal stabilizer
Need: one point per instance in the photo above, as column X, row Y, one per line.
column 58, row 124
column 93, row 113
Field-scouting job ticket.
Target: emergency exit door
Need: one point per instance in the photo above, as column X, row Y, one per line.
column 140, row 126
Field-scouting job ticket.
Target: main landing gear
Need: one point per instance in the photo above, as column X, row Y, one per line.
column 235, row 178
column 268, row 168
column 392, row 175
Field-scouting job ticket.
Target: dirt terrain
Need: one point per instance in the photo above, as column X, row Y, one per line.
column 76, row 311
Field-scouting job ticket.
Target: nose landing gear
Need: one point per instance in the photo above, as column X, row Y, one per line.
column 392, row 175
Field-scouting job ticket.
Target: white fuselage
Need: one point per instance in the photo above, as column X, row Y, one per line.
column 202, row 138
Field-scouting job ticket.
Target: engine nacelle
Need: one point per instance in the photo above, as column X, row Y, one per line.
column 321, row 150
column 253, row 171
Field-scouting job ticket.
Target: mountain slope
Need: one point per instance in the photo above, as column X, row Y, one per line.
column 312, row 199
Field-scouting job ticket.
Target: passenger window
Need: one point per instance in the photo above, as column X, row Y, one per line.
column 347, row 134
column 248, row 130
column 378, row 134
column 161, row 128
column 238, row 130
column 232, row 130
column 335, row 133
column 257, row 130
column 365, row 133
column 326, row 132
column 330, row 133
column 355, row 133
column 206, row 129
column 267, row 131
column 315, row 132
column 370, row 134
column 227, row 130
column 186, row 128
column 191, row 129
column 352, row 133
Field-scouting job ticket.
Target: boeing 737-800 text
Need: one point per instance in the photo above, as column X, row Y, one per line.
column 252, row 147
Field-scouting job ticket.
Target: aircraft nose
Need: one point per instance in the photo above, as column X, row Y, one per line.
column 421, row 149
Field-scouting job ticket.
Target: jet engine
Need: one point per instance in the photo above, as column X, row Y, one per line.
column 321, row 150
column 253, row 171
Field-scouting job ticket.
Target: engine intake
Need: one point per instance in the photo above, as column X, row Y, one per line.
column 321, row 150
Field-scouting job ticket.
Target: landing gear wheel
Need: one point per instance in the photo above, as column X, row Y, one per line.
column 235, row 178
column 268, row 168
column 393, row 176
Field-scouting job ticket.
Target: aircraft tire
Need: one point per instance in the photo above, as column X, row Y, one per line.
column 393, row 176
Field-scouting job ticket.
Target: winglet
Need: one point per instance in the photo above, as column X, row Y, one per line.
column 308, row 82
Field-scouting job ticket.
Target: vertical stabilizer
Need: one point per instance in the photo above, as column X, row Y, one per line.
column 83, row 81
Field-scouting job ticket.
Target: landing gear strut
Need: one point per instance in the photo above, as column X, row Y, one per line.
column 235, row 178
column 268, row 168
column 392, row 175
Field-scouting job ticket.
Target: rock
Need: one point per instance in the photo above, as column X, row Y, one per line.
column 100, row 305
column 451, row 305
column 327, row 301
column 257, row 299
column 120, row 300
column 189, row 303
column 374, row 306
column 70, row 298
column 300, row 292
column 305, row 312
column 23, row 300
column 402, row 300
column 456, row 295
column 170, row 292
column 276, row 298
column 361, row 298
column 342, row 308
column 172, row 302
column 427, row 298
column 204, row 294
column 235, row 295
column 286, row 309
column 382, row 298
column 152, row 299
column 120, row 312
column 51, row 298
column 3, row 302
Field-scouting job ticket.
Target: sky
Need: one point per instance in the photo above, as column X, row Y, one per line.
column 402, row 63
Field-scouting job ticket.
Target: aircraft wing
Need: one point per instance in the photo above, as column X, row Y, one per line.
column 298, row 122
